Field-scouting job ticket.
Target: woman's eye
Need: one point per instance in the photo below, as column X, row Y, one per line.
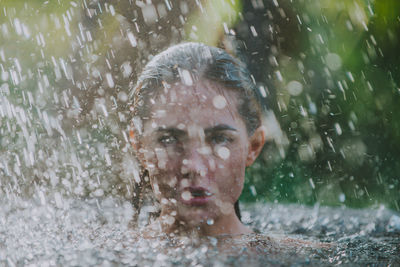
column 167, row 140
column 220, row 139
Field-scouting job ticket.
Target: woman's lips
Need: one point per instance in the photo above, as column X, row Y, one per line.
column 195, row 196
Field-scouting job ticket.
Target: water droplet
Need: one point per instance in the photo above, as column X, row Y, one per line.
column 295, row 88
column 186, row 77
column 333, row 61
column 132, row 39
column 219, row 102
column 126, row 69
column 253, row 31
column 312, row 183
column 279, row 75
column 338, row 129
column 110, row 80
column 186, row 195
column 122, row 96
column 253, row 190
column 223, row 152
column 342, row 197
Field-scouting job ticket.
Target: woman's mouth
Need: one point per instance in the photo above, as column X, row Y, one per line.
column 195, row 196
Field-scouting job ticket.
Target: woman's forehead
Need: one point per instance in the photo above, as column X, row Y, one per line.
column 201, row 104
column 198, row 94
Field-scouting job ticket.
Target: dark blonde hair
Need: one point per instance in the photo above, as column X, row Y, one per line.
column 200, row 62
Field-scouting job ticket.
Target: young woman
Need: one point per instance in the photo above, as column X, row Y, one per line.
column 196, row 127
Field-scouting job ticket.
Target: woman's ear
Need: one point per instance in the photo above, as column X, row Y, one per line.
column 256, row 143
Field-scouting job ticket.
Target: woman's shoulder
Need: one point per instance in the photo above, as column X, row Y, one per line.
column 259, row 243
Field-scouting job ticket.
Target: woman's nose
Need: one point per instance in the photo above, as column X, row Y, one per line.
column 195, row 162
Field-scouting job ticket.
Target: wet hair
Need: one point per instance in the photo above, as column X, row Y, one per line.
column 188, row 63
column 193, row 62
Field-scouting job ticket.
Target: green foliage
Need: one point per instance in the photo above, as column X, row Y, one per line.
column 349, row 73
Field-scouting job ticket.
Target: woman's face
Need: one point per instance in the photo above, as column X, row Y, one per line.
column 196, row 147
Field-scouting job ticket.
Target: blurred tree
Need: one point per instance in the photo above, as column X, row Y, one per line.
column 335, row 94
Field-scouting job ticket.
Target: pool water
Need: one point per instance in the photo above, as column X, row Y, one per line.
column 48, row 231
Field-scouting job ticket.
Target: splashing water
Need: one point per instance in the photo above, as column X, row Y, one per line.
column 68, row 177
column 98, row 232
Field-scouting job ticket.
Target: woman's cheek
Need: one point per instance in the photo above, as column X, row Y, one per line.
column 229, row 157
column 157, row 160
column 222, row 152
column 165, row 170
column 167, row 186
column 150, row 161
column 162, row 158
column 233, row 173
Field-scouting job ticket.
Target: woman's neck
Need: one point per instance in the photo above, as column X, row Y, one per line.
column 228, row 224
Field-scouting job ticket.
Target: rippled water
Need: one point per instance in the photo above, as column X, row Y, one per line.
column 45, row 231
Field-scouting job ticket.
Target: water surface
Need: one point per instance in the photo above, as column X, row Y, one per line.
column 44, row 231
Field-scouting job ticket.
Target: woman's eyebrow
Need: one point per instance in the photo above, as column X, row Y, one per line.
column 172, row 130
column 219, row 127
